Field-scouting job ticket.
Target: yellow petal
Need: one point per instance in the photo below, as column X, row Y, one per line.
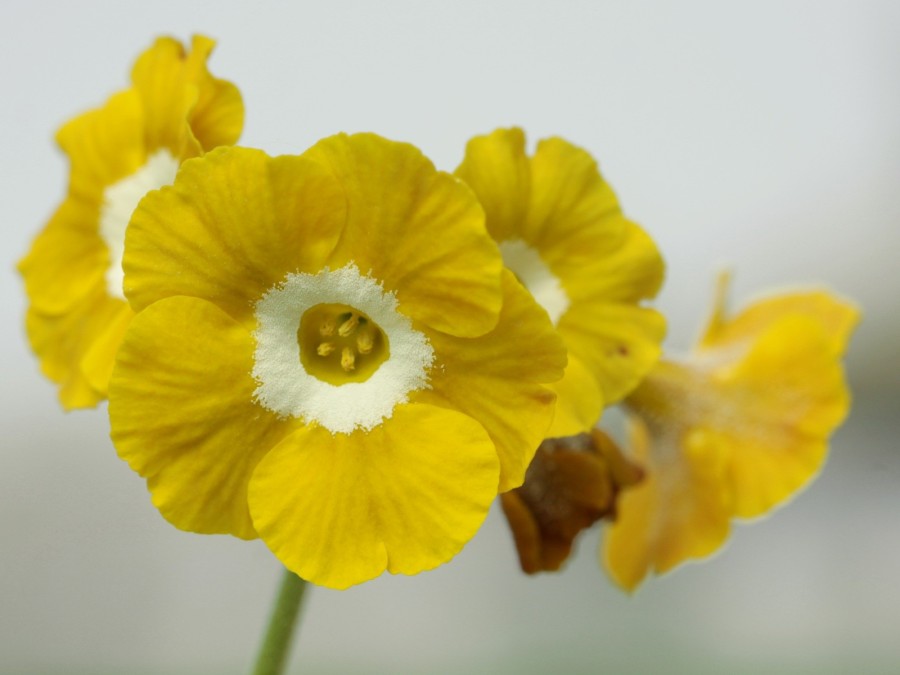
column 778, row 406
column 182, row 414
column 498, row 171
column 838, row 317
column 579, row 402
column 99, row 358
column 58, row 341
column 573, row 211
column 234, row 224
column 167, row 95
column 631, row 272
column 404, row 497
column 618, row 340
column 397, row 201
column 67, row 260
column 677, row 513
column 104, row 146
column 619, row 343
column 498, row 379
column 61, row 342
column 217, row 118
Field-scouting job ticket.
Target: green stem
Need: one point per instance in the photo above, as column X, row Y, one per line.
column 273, row 655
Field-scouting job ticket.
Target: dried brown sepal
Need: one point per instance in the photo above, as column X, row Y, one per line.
column 571, row 484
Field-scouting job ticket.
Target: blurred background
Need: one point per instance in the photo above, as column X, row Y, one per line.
column 759, row 135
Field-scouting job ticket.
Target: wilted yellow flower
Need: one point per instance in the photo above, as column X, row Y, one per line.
column 328, row 354
column 563, row 234
column 732, row 431
column 571, row 484
column 134, row 143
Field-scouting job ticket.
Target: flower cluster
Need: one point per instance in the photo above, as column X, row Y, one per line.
column 350, row 354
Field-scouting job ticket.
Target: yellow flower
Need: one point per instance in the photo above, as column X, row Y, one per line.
column 562, row 233
column 134, row 143
column 731, row 432
column 328, row 354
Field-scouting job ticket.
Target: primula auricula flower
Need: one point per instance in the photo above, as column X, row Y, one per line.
column 731, row 432
column 173, row 110
column 562, row 232
column 328, row 354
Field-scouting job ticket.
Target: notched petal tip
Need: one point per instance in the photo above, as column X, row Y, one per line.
column 340, row 509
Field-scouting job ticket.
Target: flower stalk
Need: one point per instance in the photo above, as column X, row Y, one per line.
column 276, row 646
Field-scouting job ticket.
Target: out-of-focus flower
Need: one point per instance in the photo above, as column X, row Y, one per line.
column 562, row 233
column 731, row 432
column 571, row 484
column 134, row 143
column 328, row 354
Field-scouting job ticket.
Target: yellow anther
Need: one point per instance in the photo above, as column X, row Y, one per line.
column 327, row 327
column 348, row 359
column 325, row 348
column 349, row 326
column 365, row 340
column 339, row 344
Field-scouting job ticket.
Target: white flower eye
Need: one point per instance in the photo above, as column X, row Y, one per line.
column 120, row 200
column 332, row 348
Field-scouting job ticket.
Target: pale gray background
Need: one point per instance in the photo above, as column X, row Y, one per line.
column 760, row 134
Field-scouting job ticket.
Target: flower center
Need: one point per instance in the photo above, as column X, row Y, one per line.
column 340, row 344
column 120, row 200
column 332, row 348
column 536, row 276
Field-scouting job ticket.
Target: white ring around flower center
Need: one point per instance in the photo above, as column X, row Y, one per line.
column 287, row 389
column 120, row 200
column 533, row 273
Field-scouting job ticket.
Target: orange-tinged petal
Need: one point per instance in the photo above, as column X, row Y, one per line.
column 396, row 202
column 340, row 509
column 498, row 171
column 525, row 532
column 679, row 512
column 498, row 379
column 182, row 414
column 234, row 224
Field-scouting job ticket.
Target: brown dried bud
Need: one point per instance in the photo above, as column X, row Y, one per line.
column 571, row 484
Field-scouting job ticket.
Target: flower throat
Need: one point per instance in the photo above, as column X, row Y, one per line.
column 339, row 344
